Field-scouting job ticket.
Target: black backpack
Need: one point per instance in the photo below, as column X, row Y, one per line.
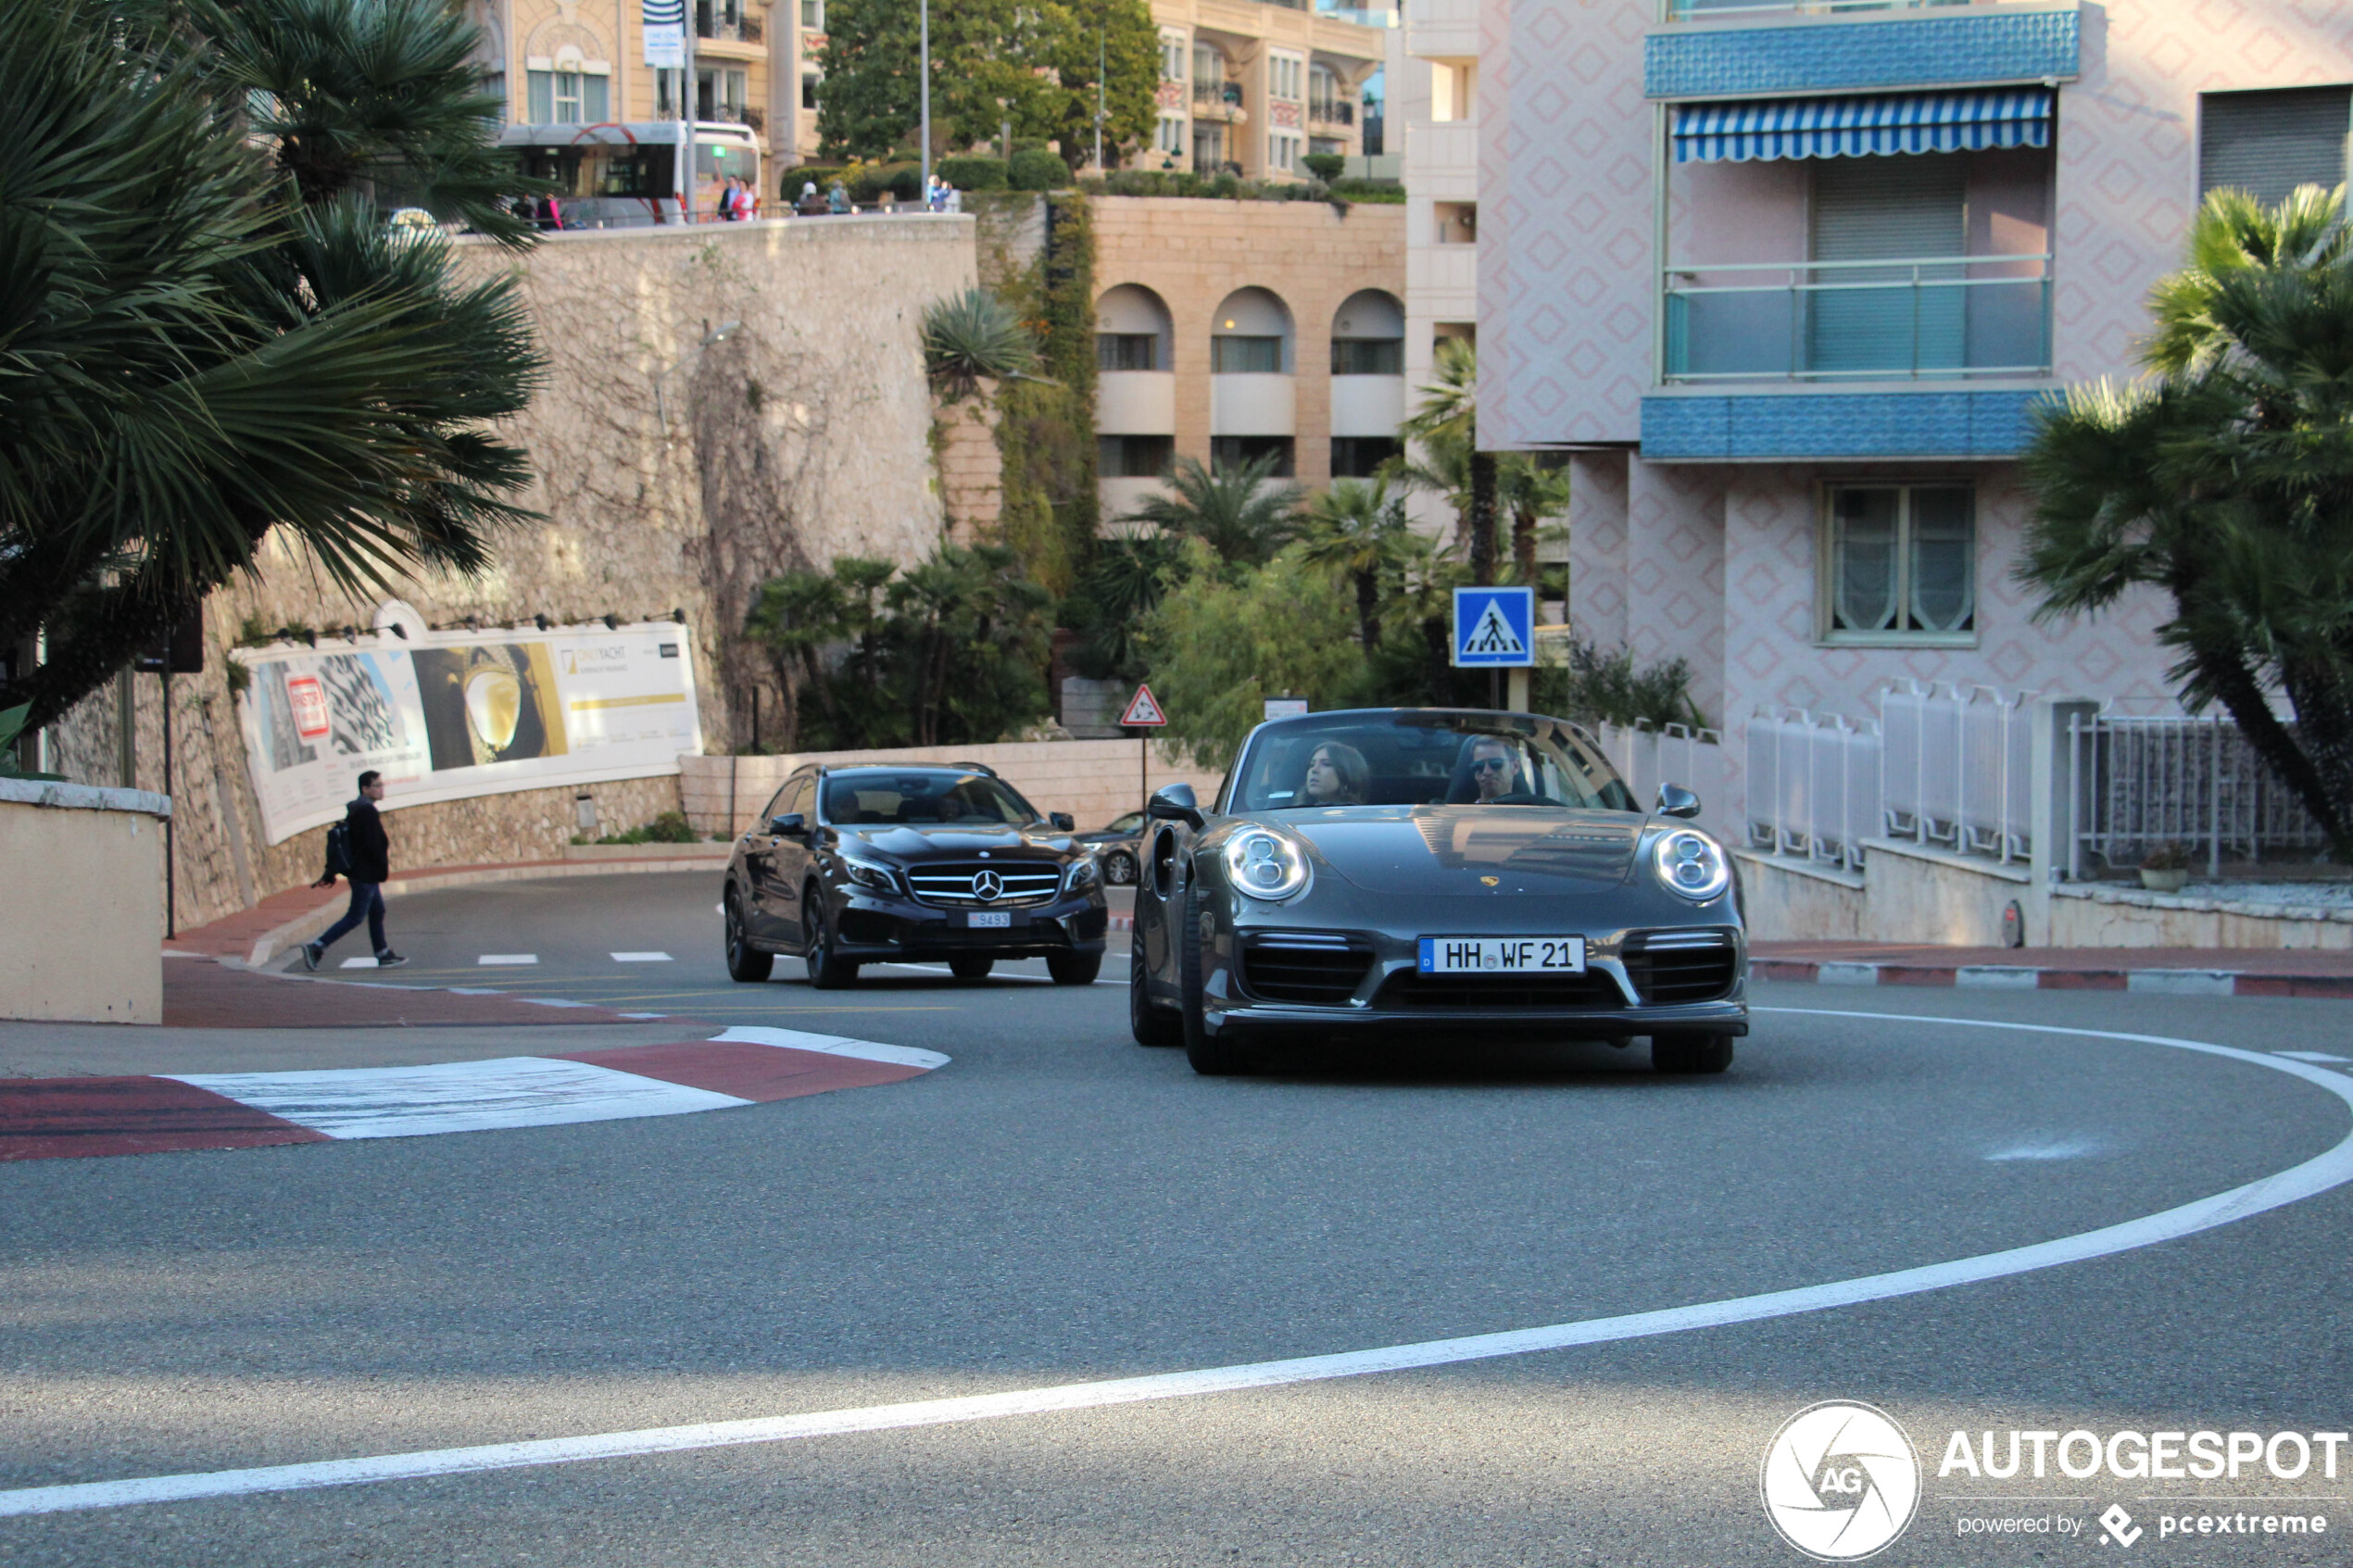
column 339, row 849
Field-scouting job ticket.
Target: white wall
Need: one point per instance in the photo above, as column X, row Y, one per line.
column 1135, row 402
column 1367, row 405
column 1255, row 405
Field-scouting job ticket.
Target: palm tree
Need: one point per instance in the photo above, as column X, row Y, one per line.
column 196, row 356
column 1356, row 528
column 1530, row 492
column 1232, row 510
column 2225, row 480
column 972, row 337
column 1449, row 410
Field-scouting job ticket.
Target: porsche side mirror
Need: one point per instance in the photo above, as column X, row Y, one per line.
column 1674, row 801
column 1175, row 803
column 790, row 826
column 1063, row 822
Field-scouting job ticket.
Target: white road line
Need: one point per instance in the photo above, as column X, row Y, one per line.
column 2312, row 1056
column 643, row 958
column 359, row 963
column 835, row 1045
column 456, row 1096
column 507, row 959
column 2332, row 1167
column 2314, row 1176
column 942, row 968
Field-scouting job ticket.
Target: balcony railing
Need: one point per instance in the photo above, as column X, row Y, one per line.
column 1330, row 111
column 1917, row 318
column 715, row 23
column 1683, row 10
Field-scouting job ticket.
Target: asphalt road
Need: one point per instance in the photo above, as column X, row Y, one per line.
column 1058, row 1205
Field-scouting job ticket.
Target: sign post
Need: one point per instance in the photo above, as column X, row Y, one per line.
column 1143, row 712
column 1495, row 628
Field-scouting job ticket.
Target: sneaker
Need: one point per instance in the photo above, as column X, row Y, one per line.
column 389, row 960
column 311, row 955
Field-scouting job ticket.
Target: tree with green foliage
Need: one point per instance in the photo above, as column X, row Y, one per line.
column 991, row 61
column 2224, row 480
column 1448, row 418
column 1115, row 597
column 1529, row 492
column 947, row 652
column 1238, row 513
column 1357, row 530
column 208, row 332
column 1220, row 644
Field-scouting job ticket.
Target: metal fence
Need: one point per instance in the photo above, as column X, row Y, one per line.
column 2194, row 782
column 1646, row 758
column 1958, row 768
column 1813, row 786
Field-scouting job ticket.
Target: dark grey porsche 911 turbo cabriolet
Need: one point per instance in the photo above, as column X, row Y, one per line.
column 1402, row 870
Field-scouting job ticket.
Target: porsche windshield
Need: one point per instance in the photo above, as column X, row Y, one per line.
column 1424, row 758
column 875, row 799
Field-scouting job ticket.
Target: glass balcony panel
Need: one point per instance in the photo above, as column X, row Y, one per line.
column 1939, row 318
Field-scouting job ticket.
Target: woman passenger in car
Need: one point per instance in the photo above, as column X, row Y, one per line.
column 1337, row 774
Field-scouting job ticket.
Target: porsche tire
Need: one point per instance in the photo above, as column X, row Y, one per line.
column 828, row 970
column 1074, row 969
column 968, row 967
column 1147, row 1020
column 746, row 964
column 1212, row 1055
column 1690, row 1053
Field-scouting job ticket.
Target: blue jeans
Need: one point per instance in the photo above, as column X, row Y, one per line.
column 367, row 904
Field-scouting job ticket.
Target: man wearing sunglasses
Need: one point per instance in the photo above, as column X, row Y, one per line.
column 1493, row 767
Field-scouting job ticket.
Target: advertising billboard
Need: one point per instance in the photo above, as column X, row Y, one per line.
column 454, row 714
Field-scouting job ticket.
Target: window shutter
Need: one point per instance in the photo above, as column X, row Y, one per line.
column 2267, row 143
column 1887, row 208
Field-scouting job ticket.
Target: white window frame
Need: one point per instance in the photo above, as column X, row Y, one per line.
column 1286, row 77
column 1826, row 634
column 1176, row 56
column 813, row 15
column 1171, row 139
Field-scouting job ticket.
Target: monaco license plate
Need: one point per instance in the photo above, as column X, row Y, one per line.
column 990, row 919
column 1502, row 955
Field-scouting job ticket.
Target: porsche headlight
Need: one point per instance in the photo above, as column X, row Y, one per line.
column 1692, row 864
column 866, row 874
column 1082, row 875
column 1264, row 865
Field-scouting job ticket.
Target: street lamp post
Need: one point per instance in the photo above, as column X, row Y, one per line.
column 922, row 70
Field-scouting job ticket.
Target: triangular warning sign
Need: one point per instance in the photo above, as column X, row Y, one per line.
column 1493, row 634
column 1142, row 710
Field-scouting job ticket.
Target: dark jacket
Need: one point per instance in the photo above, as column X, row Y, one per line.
column 370, row 851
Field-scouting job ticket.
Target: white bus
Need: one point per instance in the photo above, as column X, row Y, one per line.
column 616, row 176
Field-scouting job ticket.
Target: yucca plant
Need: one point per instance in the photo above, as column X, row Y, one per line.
column 972, row 337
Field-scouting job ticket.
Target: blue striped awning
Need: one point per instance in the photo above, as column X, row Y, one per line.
column 1902, row 123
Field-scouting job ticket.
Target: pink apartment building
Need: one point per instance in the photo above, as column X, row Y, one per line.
column 1785, row 280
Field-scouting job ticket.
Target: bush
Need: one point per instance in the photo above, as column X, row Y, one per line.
column 975, row 173
column 821, row 175
column 1608, row 687
column 670, row 827
column 903, row 181
column 1324, row 166
column 1034, row 169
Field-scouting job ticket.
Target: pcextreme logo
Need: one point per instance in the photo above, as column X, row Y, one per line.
column 1841, row 1481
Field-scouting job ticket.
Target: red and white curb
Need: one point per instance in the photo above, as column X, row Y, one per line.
column 61, row 1118
column 2027, row 977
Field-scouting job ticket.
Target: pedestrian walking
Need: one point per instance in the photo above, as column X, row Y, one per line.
column 366, row 862
column 837, row 199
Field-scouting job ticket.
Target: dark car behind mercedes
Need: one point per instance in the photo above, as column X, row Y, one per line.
column 854, row 865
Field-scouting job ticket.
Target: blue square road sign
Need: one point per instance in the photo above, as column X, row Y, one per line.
column 1494, row 628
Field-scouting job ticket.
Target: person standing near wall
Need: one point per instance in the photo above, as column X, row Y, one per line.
column 367, row 866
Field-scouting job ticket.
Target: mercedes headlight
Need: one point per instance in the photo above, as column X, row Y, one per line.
column 1264, row 865
column 1082, row 875
column 866, row 874
column 1691, row 863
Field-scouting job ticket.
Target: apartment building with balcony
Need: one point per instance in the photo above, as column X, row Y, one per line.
column 1253, row 86
column 1433, row 104
column 556, row 62
column 1228, row 331
column 1785, row 283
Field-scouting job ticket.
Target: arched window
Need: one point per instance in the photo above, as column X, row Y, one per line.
column 1251, row 334
column 1368, row 335
column 1133, row 331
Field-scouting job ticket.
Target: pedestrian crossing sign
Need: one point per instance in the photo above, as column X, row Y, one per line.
column 1494, row 628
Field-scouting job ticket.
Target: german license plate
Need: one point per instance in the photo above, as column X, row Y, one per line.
column 1502, row 955
column 990, row 919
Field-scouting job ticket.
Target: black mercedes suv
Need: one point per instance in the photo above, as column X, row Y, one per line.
column 852, row 865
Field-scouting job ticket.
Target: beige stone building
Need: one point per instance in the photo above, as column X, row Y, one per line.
column 1227, row 330
column 1253, row 87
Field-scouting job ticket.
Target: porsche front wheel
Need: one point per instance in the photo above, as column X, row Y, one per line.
column 1149, row 1023
column 1212, row 1055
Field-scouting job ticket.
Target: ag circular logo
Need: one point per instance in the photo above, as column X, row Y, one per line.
column 1841, row 1481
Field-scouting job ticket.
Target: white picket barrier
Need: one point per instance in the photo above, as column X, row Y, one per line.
column 1957, row 768
column 1678, row 754
column 1813, row 786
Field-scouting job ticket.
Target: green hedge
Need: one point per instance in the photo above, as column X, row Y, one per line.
column 1034, row 169
column 975, row 173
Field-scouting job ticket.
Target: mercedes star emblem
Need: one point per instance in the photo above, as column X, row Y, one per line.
column 987, row 886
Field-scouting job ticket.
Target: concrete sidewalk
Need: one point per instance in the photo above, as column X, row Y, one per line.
column 2204, row 971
